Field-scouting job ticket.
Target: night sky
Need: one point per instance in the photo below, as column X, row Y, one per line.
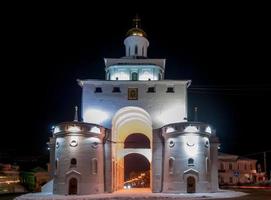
column 223, row 49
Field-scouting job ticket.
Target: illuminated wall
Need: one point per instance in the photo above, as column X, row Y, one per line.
column 164, row 106
column 126, row 72
column 82, row 143
column 136, row 46
column 190, row 151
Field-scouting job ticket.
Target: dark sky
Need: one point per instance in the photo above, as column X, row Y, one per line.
column 223, row 48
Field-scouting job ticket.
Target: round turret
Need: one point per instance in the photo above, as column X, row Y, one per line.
column 189, row 154
column 136, row 43
column 78, row 158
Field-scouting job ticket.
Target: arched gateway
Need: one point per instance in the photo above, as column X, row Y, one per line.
column 129, row 124
column 133, row 115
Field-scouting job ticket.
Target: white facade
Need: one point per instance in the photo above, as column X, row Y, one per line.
column 134, row 99
column 160, row 99
column 136, row 46
column 77, row 154
column 189, row 152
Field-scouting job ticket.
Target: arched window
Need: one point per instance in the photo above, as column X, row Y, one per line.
column 171, row 165
column 94, row 165
column 190, row 162
column 73, row 162
column 134, row 76
column 136, row 50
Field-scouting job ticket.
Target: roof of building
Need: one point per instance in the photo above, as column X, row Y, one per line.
column 225, row 156
column 136, row 32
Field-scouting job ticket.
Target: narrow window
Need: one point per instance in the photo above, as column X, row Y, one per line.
column 94, row 166
column 116, row 89
column 160, row 76
column 222, row 180
column 151, row 90
column 190, row 162
column 231, row 180
column 73, row 162
column 98, row 90
column 170, row 90
column 171, row 165
column 207, row 144
column 207, row 164
column 136, row 49
column 129, row 53
column 56, row 164
column 134, row 76
column 143, row 51
column 221, row 166
column 230, row 166
column 245, row 166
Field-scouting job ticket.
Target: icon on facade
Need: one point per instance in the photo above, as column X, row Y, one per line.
column 132, row 93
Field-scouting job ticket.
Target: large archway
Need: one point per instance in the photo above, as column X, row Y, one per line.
column 136, row 171
column 130, row 124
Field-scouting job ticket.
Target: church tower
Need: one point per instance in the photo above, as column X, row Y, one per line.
column 136, row 42
column 135, row 65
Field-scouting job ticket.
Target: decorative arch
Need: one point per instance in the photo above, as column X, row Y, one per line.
column 191, row 172
column 70, row 179
column 128, row 121
column 135, row 170
column 131, row 114
column 133, row 111
column 144, row 152
column 137, row 140
column 191, row 178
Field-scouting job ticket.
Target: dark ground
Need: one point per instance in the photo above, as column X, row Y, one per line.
column 254, row 194
column 8, row 196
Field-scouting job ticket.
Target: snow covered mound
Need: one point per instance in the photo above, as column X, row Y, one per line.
column 133, row 195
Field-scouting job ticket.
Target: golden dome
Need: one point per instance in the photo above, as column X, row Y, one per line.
column 137, row 32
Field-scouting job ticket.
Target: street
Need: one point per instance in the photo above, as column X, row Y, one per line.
column 253, row 194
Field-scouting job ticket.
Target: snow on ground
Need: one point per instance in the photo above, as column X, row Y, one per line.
column 133, row 194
